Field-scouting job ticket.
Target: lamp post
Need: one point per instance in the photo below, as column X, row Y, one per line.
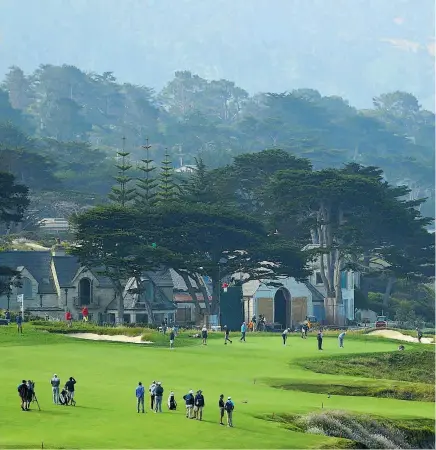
column 66, row 299
column 220, row 262
column 9, row 298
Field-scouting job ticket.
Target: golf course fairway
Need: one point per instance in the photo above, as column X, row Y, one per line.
column 107, row 374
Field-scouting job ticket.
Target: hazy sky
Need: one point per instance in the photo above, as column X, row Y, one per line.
column 353, row 48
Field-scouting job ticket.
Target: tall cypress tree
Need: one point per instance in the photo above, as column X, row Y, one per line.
column 146, row 195
column 122, row 194
column 168, row 191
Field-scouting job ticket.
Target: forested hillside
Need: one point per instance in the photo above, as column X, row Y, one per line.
column 353, row 48
column 61, row 126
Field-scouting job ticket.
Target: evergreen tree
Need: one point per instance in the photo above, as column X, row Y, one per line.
column 168, row 191
column 200, row 187
column 146, row 186
column 122, row 194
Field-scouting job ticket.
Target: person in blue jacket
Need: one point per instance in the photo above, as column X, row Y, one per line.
column 140, row 393
column 243, row 331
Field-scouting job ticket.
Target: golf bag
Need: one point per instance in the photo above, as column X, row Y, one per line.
column 63, row 397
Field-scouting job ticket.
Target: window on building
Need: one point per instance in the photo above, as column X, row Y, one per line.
column 85, row 291
column 318, row 279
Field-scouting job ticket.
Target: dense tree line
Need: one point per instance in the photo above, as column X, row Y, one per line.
column 264, row 216
column 77, row 120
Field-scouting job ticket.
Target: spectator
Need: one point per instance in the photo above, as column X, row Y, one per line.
column 55, row 383
column 199, row 405
column 8, row 315
column 221, row 407
column 189, row 403
column 152, row 390
column 85, row 313
column 23, row 392
column 158, row 398
column 69, row 318
column 140, row 391
column 229, row 407
column 20, row 323
column 419, row 332
column 30, row 391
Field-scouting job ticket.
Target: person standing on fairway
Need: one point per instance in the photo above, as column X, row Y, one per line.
column 204, row 334
column 199, row 405
column 140, row 391
column 152, row 390
column 189, row 403
column 19, row 323
column 229, row 407
column 341, row 339
column 70, row 387
column 319, row 339
column 172, row 337
column 55, row 383
column 243, row 331
column 227, row 334
column 22, row 392
column 85, row 313
column 221, row 407
column 158, row 398
column 285, row 335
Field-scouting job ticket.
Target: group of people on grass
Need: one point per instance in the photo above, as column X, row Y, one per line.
column 319, row 337
column 26, row 391
column 194, row 403
column 66, row 395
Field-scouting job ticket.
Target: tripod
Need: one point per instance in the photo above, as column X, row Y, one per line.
column 35, row 399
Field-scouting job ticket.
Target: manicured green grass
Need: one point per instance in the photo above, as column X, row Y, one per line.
column 416, row 366
column 107, row 374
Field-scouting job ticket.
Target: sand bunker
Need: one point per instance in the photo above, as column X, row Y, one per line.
column 391, row 334
column 105, row 337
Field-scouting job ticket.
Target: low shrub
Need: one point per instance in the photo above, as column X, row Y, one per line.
column 363, row 430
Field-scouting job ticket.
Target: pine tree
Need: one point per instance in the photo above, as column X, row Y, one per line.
column 122, row 194
column 146, row 195
column 168, row 191
column 199, row 188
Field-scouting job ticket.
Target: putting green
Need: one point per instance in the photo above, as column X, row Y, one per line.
column 107, row 375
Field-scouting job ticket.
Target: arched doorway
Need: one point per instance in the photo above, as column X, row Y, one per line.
column 282, row 307
column 85, row 291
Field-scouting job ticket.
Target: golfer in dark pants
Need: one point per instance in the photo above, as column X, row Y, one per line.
column 319, row 339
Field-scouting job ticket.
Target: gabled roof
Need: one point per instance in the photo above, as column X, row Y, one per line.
column 36, row 262
column 67, row 268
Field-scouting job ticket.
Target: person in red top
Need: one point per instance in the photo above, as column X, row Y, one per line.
column 68, row 318
column 85, row 313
